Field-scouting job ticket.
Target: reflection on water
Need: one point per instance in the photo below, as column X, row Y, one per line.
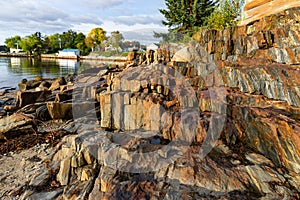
column 13, row 70
column 72, row 64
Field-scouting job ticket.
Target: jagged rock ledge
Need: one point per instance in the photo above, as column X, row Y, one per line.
column 217, row 119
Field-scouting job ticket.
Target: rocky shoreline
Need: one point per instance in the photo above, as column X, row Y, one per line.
column 214, row 119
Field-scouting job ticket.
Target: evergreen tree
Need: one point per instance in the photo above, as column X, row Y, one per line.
column 186, row 15
column 226, row 14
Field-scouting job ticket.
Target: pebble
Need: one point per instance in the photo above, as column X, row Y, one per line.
column 235, row 162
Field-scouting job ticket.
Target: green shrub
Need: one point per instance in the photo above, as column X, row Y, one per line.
column 226, row 14
column 124, row 54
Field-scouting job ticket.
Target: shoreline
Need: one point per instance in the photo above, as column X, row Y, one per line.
column 44, row 56
column 9, row 55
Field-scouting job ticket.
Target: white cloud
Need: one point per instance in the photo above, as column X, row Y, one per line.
column 144, row 36
column 28, row 10
column 24, row 17
column 139, row 32
column 138, row 19
column 101, row 3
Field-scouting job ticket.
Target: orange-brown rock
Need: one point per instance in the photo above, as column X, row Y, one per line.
column 221, row 121
column 257, row 9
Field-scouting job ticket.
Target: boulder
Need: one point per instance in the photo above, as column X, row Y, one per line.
column 42, row 113
column 62, row 97
column 149, row 56
column 15, row 125
column 9, row 108
column 31, row 195
column 60, row 110
column 22, row 86
column 131, row 56
column 30, row 97
column 187, row 54
column 32, row 84
column 63, row 175
column 57, row 83
column 45, row 84
column 27, row 85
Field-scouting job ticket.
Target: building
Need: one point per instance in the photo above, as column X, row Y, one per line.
column 152, row 46
column 110, row 48
column 3, row 49
column 12, row 50
column 69, row 53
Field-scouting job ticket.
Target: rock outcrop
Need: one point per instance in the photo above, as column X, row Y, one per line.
column 257, row 9
column 213, row 119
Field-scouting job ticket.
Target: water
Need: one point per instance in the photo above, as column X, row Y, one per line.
column 13, row 70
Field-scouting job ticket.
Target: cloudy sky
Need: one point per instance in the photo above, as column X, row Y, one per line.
column 136, row 19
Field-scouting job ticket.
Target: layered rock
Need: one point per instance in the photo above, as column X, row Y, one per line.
column 16, row 125
column 255, row 155
column 256, row 9
column 220, row 120
column 274, row 38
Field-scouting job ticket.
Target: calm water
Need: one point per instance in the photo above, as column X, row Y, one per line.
column 13, row 70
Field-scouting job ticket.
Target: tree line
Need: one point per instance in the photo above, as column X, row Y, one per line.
column 185, row 18
column 36, row 44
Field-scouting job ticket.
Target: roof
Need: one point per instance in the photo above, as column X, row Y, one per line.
column 152, row 46
column 69, row 50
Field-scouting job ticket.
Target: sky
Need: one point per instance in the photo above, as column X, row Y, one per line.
column 135, row 19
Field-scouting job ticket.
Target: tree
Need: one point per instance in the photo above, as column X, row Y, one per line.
column 80, row 44
column 13, row 42
column 54, row 42
column 226, row 14
column 186, row 15
column 131, row 45
column 95, row 37
column 68, row 39
column 171, row 37
column 32, row 44
column 115, row 40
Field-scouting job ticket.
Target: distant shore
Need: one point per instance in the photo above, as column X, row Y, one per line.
column 13, row 55
column 89, row 57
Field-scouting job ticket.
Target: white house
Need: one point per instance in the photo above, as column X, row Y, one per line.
column 110, row 48
column 12, row 50
column 69, row 53
column 152, row 46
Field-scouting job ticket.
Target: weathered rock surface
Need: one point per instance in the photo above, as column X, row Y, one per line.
column 60, row 110
column 256, row 9
column 27, row 85
column 30, row 97
column 220, row 121
column 274, row 38
column 26, row 169
column 16, row 124
column 256, row 155
column 57, row 83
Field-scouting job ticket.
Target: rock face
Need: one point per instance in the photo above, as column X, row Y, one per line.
column 256, row 9
column 274, row 38
column 219, row 121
